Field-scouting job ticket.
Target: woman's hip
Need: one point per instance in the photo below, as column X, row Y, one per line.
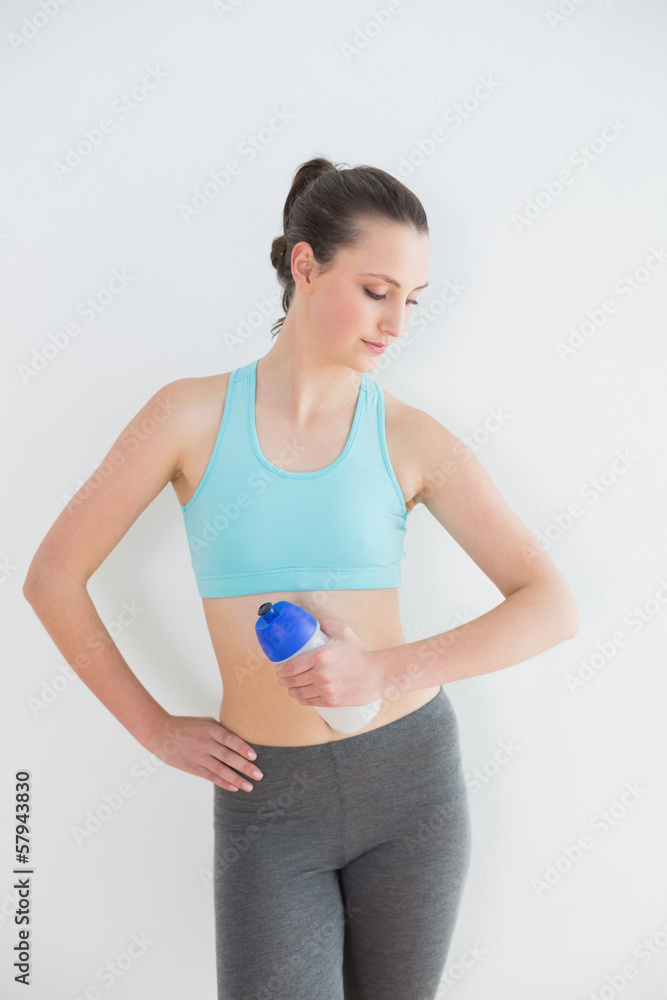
column 339, row 798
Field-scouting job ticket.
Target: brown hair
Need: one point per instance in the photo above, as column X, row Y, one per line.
column 328, row 208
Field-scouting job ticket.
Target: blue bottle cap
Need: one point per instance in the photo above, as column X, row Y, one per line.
column 283, row 628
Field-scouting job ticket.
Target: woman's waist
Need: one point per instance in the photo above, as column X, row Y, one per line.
column 254, row 704
column 261, row 711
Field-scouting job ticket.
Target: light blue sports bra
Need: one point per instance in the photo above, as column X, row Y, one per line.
column 254, row 528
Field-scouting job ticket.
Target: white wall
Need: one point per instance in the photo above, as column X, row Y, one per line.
column 553, row 83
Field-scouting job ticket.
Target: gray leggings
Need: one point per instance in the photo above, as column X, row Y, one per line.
column 339, row 876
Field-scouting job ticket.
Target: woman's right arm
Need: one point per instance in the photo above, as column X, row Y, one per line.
column 145, row 457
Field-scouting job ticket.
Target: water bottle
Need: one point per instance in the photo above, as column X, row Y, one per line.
column 285, row 629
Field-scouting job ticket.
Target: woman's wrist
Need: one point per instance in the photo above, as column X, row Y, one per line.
column 153, row 732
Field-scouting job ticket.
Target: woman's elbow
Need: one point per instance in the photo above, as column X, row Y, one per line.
column 36, row 583
column 42, row 581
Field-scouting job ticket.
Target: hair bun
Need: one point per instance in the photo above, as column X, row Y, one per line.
column 328, row 207
column 278, row 248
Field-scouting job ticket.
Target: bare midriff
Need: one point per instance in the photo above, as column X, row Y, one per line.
column 259, row 709
column 254, row 705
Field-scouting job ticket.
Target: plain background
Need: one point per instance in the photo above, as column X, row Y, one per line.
column 478, row 108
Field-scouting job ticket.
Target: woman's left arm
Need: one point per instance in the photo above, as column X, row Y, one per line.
column 539, row 610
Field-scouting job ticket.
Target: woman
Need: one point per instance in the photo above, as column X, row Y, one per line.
column 340, row 871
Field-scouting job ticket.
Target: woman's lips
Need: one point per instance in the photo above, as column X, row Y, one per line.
column 377, row 348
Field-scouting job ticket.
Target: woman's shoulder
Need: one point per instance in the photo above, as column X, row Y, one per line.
column 420, row 440
column 415, row 422
column 198, row 397
column 195, row 405
column 410, row 422
column 199, row 402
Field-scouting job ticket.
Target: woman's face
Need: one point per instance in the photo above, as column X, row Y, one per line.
column 351, row 304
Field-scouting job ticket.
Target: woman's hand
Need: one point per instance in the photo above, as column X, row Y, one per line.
column 342, row 672
column 201, row 746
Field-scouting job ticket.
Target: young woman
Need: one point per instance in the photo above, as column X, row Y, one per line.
column 339, row 872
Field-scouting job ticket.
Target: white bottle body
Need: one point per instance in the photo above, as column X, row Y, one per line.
column 347, row 718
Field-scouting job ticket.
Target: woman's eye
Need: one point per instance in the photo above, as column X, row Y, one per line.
column 412, row 302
